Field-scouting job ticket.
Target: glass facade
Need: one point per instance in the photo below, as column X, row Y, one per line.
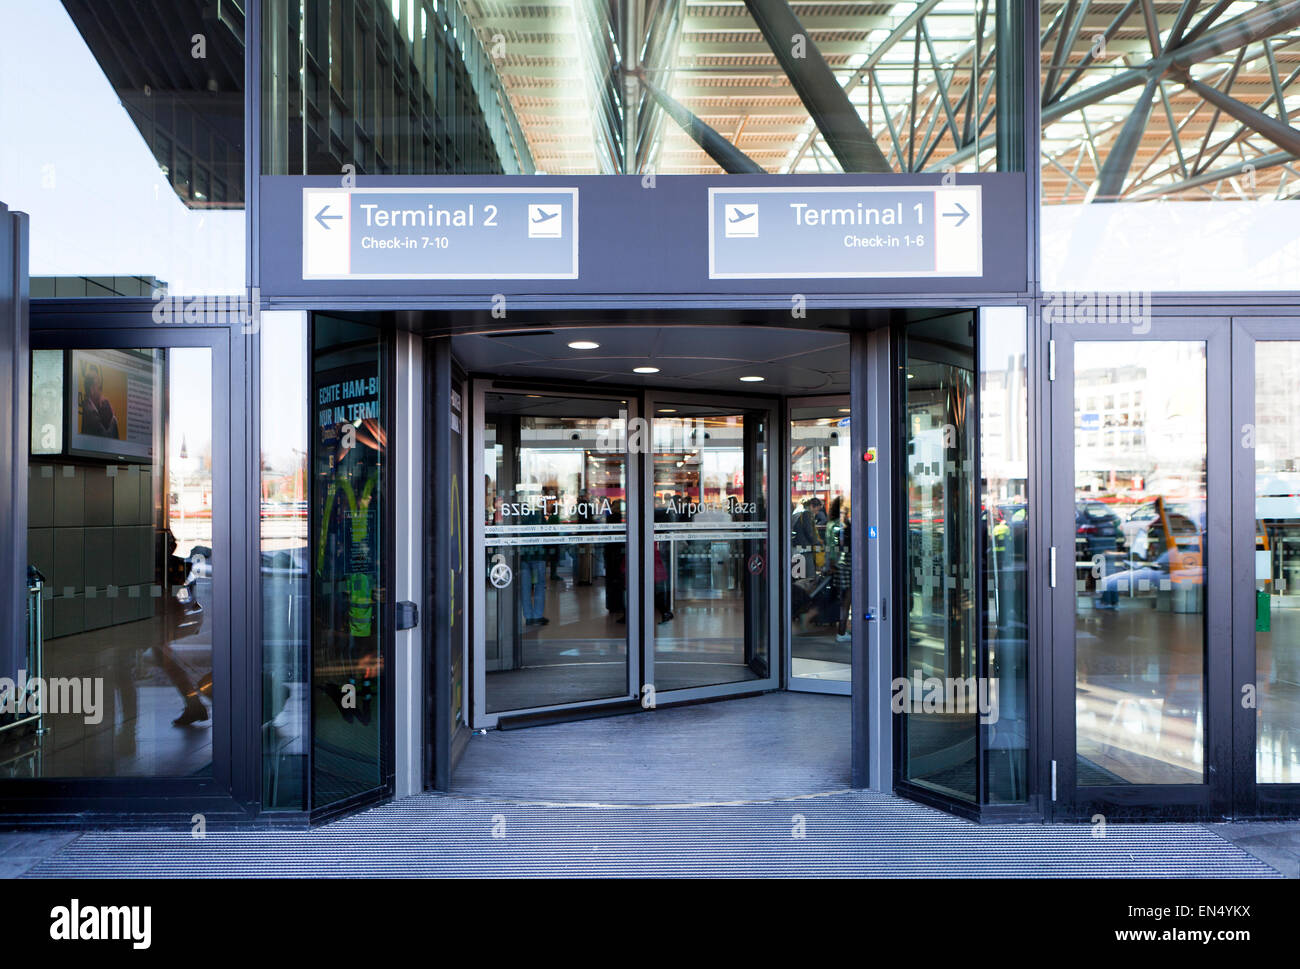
column 1140, row 448
column 1188, row 108
column 129, row 157
column 466, row 87
column 940, row 652
column 121, row 518
column 1277, row 562
column 1006, row 539
column 389, row 88
column 133, row 165
column 351, row 558
column 285, row 557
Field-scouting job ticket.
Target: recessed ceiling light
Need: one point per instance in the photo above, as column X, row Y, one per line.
column 668, row 410
column 911, row 376
column 752, row 380
column 584, row 345
column 844, row 410
column 645, row 369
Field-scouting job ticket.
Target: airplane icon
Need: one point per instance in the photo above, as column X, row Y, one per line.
column 544, row 222
column 742, row 220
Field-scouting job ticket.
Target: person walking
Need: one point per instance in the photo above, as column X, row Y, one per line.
column 839, row 562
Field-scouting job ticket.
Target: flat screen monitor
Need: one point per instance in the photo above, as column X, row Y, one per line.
column 112, row 397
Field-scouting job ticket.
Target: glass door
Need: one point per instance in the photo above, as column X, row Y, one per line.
column 708, row 597
column 552, row 606
column 1140, row 568
column 1266, row 540
column 819, row 608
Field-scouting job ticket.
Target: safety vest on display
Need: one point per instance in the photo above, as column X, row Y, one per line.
column 360, row 589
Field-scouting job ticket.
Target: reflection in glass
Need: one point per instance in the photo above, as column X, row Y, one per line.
column 285, row 559
column 1139, row 576
column 467, row 87
column 129, row 157
column 940, row 741
column 710, row 547
column 349, row 498
column 1277, row 562
column 120, row 527
column 820, row 567
column 555, row 543
column 1004, row 528
column 1117, row 128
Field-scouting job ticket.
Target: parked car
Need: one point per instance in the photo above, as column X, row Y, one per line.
column 1096, row 529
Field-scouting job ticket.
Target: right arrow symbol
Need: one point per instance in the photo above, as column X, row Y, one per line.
column 961, row 215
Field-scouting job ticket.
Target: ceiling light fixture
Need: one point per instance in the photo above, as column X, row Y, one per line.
column 752, row 380
column 645, row 369
column 584, row 345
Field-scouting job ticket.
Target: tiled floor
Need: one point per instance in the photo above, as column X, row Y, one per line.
column 691, row 791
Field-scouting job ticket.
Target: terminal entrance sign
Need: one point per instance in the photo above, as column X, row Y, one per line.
column 845, row 232
column 440, row 233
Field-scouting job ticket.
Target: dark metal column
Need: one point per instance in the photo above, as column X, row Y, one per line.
column 732, row 159
column 15, row 351
column 1010, row 67
column 820, row 91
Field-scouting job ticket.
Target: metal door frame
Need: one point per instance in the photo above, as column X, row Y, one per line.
column 1213, row 797
column 232, row 783
column 798, row 684
column 652, row 400
column 479, row 717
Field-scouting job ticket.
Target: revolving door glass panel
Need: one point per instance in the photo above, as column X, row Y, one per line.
column 555, row 575
column 821, row 622
column 711, row 600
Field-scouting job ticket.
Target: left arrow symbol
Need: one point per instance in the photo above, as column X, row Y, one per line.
column 321, row 216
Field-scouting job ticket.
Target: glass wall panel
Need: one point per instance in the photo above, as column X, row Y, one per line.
column 821, row 613
column 349, row 508
column 389, row 87
column 285, row 560
column 1004, row 534
column 124, row 141
column 711, row 580
column 1277, row 562
column 555, row 541
column 1139, row 561
column 120, row 521
column 940, row 702
column 597, row 87
column 1188, row 104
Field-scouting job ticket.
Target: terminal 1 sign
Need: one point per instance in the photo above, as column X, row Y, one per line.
column 848, row 232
